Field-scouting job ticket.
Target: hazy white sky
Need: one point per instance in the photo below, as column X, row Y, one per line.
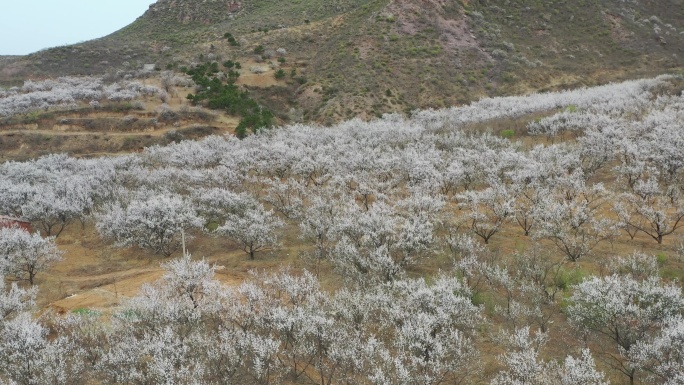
column 30, row 25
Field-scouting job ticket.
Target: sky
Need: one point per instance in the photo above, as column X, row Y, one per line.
column 28, row 26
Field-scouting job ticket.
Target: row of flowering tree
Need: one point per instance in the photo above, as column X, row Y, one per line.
column 68, row 92
column 481, row 182
column 283, row 327
column 379, row 204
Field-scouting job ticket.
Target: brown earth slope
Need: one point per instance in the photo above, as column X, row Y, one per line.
column 348, row 58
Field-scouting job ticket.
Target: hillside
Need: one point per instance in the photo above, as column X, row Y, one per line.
column 348, row 58
column 529, row 239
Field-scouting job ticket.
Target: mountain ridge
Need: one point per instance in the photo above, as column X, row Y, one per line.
column 352, row 58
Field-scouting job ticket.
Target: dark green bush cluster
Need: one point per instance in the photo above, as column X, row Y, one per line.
column 231, row 39
column 217, row 90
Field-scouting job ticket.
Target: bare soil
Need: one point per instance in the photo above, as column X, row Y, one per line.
column 97, row 276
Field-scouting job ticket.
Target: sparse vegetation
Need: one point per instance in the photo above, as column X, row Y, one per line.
column 381, row 45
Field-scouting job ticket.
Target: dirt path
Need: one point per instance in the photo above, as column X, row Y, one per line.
column 228, row 123
column 86, row 133
column 106, row 292
column 111, row 290
column 93, row 275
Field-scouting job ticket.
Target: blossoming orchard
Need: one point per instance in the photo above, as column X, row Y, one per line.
column 427, row 249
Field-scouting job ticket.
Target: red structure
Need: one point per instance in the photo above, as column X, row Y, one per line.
column 6, row 221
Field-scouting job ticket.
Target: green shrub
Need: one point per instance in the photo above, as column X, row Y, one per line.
column 85, row 312
column 231, row 39
column 508, row 134
column 566, row 278
column 221, row 93
column 173, row 136
column 483, row 299
column 32, row 117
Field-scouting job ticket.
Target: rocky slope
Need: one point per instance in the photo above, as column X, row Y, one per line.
column 348, row 58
